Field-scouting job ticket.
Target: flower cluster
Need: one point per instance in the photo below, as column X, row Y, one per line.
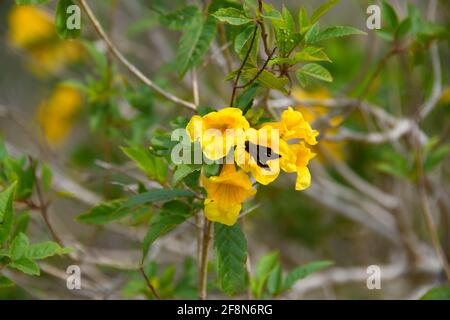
column 263, row 152
column 33, row 31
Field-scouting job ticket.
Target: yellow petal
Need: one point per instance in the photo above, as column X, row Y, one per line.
column 223, row 214
column 303, row 178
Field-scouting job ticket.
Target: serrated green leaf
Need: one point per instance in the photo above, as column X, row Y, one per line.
column 6, row 212
column 62, row 19
column 231, row 16
column 231, row 252
column 321, row 10
column 335, row 32
column 303, row 271
column 195, row 43
column 181, row 19
column 316, row 71
column 27, row 266
column 439, row 293
column 156, row 195
column 5, row 282
column 19, row 247
column 46, row 249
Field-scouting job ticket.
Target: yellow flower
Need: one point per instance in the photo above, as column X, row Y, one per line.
column 218, row 131
column 312, row 113
column 225, row 194
column 261, row 152
column 33, row 31
column 56, row 115
column 294, row 126
column 302, row 156
column 29, row 26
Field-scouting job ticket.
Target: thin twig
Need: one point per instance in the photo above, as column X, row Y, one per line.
column 195, row 91
column 132, row 68
column 149, row 284
column 263, row 29
column 238, row 76
column 203, row 272
column 259, row 71
column 43, row 206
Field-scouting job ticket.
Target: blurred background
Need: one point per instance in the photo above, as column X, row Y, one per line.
column 381, row 172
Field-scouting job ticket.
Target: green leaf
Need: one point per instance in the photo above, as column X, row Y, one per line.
column 181, row 19
column 303, row 271
column 104, row 212
column 404, row 28
column 275, row 281
column 324, row 8
column 64, row 20
column 436, row 157
column 335, row 32
column 195, row 43
column 172, row 214
column 6, row 212
column 20, row 223
column 44, row 250
column 244, row 101
column 303, row 20
column 231, row 16
column 316, row 71
column 312, row 33
column 311, row 54
column 19, row 247
column 156, row 195
column 267, row 79
column 388, row 15
column 154, row 167
column 5, row 282
column 231, row 252
column 439, row 293
column 181, row 172
column 242, row 43
column 26, row 265
column 263, row 269
column 46, row 177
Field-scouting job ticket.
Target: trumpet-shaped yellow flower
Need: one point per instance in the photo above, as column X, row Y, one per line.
column 56, row 115
column 218, row 131
column 33, row 30
column 29, row 26
column 225, row 194
column 261, row 152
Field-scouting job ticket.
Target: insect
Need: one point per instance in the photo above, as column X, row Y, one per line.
column 261, row 154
